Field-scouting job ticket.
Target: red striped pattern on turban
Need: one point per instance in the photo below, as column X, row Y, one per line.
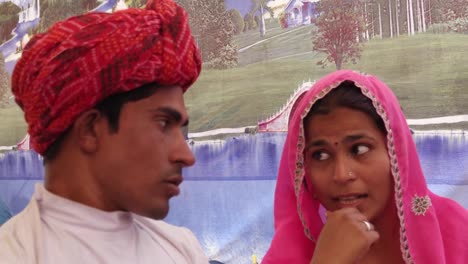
column 84, row 59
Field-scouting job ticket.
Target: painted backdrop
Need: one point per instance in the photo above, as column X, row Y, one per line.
column 259, row 56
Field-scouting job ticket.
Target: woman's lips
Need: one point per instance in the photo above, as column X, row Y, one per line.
column 349, row 200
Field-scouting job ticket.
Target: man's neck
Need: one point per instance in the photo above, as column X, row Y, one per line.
column 72, row 181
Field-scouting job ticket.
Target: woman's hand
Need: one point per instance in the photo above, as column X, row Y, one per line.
column 344, row 239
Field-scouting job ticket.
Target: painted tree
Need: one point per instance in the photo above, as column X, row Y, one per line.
column 259, row 6
column 397, row 16
column 369, row 17
column 417, row 16
column 380, row 21
column 213, row 30
column 338, row 24
column 237, row 20
column 55, row 10
column 393, row 17
column 249, row 22
column 443, row 11
column 390, row 18
column 4, row 81
column 423, row 16
column 388, row 14
column 137, row 3
column 8, row 19
column 410, row 11
column 365, row 17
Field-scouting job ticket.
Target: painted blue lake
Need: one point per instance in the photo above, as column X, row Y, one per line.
column 227, row 196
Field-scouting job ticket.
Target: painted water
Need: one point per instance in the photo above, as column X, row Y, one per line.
column 227, row 197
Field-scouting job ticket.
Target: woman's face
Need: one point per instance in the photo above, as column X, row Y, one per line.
column 347, row 162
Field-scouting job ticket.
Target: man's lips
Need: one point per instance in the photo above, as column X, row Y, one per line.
column 173, row 184
column 176, row 180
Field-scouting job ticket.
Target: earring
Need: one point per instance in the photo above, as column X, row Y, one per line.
column 350, row 174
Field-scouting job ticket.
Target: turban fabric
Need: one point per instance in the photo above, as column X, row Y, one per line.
column 84, row 59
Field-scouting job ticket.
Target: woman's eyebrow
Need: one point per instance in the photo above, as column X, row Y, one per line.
column 316, row 143
column 352, row 138
column 347, row 139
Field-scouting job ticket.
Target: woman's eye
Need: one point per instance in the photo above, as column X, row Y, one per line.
column 320, row 155
column 360, row 149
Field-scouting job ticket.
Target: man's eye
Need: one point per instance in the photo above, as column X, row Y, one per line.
column 320, row 155
column 163, row 123
column 360, row 149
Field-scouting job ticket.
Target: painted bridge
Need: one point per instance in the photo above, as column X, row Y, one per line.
column 278, row 122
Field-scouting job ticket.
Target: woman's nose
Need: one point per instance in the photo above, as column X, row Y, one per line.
column 343, row 172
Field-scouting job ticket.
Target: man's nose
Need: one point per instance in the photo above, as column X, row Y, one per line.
column 182, row 153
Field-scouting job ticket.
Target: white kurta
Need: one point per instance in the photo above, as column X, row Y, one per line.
column 52, row 229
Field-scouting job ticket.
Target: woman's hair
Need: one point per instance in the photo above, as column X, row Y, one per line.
column 347, row 94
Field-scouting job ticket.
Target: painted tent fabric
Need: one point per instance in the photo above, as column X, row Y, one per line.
column 5, row 213
column 247, row 78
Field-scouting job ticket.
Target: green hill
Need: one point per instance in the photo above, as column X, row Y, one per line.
column 429, row 74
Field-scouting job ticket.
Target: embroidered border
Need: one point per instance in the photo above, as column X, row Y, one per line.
column 299, row 172
column 395, row 172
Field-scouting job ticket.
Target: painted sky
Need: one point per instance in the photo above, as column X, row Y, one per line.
column 18, row 2
column 244, row 6
column 24, row 2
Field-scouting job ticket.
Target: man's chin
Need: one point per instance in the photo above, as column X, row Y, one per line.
column 155, row 213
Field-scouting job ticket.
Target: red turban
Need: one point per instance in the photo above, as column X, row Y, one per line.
column 84, row 59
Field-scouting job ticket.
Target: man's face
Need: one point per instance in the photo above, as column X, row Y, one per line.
column 139, row 168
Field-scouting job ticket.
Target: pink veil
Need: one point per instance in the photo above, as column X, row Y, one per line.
column 433, row 229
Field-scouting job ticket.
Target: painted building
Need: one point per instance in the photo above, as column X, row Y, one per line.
column 300, row 12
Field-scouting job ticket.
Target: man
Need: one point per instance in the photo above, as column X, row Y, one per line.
column 103, row 98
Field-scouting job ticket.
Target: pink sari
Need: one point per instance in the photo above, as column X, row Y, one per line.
column 433, row 229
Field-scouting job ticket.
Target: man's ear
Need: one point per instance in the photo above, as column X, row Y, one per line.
column 89, row 128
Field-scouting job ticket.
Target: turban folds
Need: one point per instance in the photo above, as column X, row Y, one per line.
column 84, row 59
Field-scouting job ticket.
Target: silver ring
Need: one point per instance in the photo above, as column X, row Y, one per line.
column 369, row 226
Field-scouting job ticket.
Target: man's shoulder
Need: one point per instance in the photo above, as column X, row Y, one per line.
column 175, row 239
column 15, row 224
column 16, row 237
column 10, row 247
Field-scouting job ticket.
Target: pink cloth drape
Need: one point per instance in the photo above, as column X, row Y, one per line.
column 433, row 229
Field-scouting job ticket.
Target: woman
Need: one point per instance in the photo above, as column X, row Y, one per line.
column 350, row 187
